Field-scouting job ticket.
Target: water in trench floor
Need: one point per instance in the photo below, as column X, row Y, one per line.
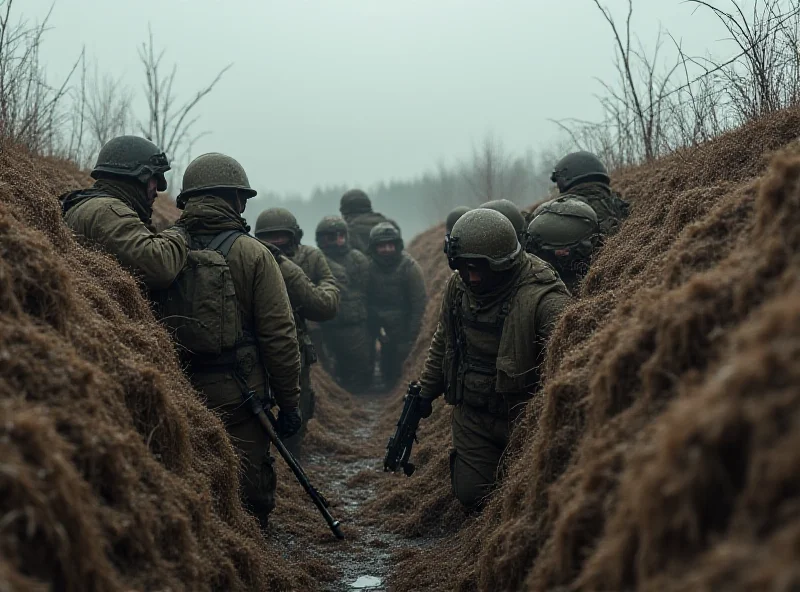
column 364, row 562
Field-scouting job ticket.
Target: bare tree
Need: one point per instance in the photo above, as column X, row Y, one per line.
column 30, row 109
column 170, row 124
column 492, row 174
column 108, row 108
column 765, row 75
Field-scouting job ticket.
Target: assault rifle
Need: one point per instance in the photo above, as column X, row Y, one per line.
column 268, row 423
column 398, row 449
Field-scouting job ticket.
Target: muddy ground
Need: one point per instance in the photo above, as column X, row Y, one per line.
column 364, row 560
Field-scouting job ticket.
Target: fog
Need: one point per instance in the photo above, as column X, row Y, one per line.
column 343, row 93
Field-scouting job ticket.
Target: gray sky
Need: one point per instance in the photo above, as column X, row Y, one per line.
column 357, row 91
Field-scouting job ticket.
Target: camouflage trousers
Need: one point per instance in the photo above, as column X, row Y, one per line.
column 479, row 440
column 258, row 481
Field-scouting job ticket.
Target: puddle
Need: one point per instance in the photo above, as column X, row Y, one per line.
column 367, row 583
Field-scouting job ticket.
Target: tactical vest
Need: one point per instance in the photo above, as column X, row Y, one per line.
column 201, row 309
column 388, row 293
column 477, row 340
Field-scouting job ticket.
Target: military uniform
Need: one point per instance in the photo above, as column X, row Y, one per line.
column 395, row 300
column 488, row 346
column 347, row 338
column 584, row 176
column 315, row 298
column 356, row 209
column 266, row 351
column 116, row 212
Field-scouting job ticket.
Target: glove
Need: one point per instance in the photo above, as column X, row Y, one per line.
column 425, row 407
column 289, row 422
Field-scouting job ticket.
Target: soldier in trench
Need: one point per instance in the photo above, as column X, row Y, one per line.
column 395, row 299
column 115, row 213
column 496, row 315
column 313, row 292
column 355, row 207
column 565, row 232
column 347, row 338
column 582, row 175
column 233, row 320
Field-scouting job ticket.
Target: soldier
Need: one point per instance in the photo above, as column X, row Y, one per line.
column 564, row 232
column 451, row 219
column 356, row 209
column 395, row 300
column 314, row 299
column 115, row 213
column 512, row 212
column 347, row 338
column 231, row 316
column 583, row 175
column 496, row 316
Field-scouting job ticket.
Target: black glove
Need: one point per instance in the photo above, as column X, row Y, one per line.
column 425, row 407
column 289, row 422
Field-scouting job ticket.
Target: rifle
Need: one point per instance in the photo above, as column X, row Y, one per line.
column 268, row 423
column 398, row 449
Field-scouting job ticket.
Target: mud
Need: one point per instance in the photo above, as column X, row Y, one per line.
column 349, row 481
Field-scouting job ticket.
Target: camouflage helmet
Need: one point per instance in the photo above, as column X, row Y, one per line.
column 277, row 220
column 213, row 171
column 355, row 201
column 453, row 217
column 484, row 234
column 385, row 232
column 564, row 224
column 578, row 167
column 331, row 225
column 134, row 157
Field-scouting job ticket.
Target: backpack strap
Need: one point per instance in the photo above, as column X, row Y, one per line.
column 223, row 242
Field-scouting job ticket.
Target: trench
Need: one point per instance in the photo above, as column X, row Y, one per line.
column 364, row 560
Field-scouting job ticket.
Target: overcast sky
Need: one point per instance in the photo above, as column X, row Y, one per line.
column 358, row 91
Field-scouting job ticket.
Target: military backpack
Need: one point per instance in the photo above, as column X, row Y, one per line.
column 200, row 308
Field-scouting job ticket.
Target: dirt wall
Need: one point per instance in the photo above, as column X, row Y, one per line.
column 660, row 452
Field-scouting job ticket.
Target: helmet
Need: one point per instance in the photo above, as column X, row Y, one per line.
column 484, row 234
column 212, row 171
column 453, row 217
column 385, row 232
column 355, row 201
column 331, row 225
column 132, row 156
column 277, row 220
column 578, row 167
column 565, row 223
column 510, row 211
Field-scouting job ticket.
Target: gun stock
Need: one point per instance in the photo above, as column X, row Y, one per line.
column 398, row 449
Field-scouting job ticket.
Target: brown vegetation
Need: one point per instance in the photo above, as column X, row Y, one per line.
column 113, row 474
column 661, row 453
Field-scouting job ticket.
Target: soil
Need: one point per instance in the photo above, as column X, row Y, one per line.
column 352, row 481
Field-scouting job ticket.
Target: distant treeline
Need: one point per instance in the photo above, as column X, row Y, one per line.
column 419, row 203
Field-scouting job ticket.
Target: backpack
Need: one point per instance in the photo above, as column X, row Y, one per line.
column 200, row 308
